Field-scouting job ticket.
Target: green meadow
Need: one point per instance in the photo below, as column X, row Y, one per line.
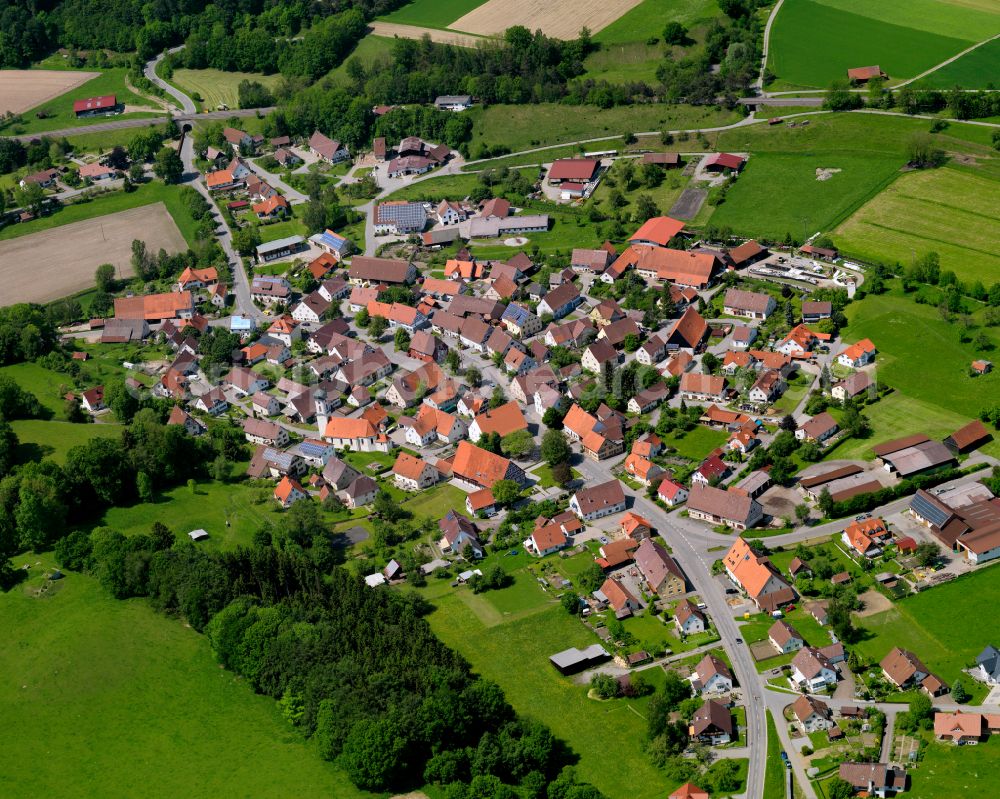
column 106, row 698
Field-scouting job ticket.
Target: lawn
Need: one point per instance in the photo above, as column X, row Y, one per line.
column 106, row 696
column 948, row 771
column 432, row 14
column 111, row 203
column 216, row 87
column 779, row 194
column 515, row 654
column 210, row 507
column 369, row 50
column 521, row 127
column 697, row 443
column 53, row 439
column 59, row 114
column 775, row 778
column 975, row 70
column 796, row 390
column 919, row 34
column 943, row 626
column 898, row 415
column 920, row 355
column 281, row 230
column 954, row 213
column 46, row 385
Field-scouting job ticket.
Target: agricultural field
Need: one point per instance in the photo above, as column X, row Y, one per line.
column 57, row 108
column 521, row 127
column 975, row 70
column 24, row 89
column 941, row 626
column 431, row 14
column 779, row 194
column 562, row 19
column 903, row 37
column 216, row 87
column 106, row 695
column 624, row 62
column 58, row 270
column 953, row 213
column 931, row 365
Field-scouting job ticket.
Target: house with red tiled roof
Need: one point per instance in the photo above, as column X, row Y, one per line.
column 503, row 420
column 656, row 232
column 756, row 576
column 618, row 596
column 413, row 474
column 859, row 354
column 289, row 491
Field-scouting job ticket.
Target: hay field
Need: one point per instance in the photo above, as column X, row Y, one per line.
column 562, row 19
column 217, row 87
column 55, row 263
column 954, row 213
column 22, row 89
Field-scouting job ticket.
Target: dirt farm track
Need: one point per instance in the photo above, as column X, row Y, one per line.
column 562, row 19
column 22, row 89
column 55, row 263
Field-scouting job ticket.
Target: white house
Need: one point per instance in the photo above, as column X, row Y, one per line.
column 811, row 714
column 711, row 676
column 598, row 501
column 858, row 355
column 812, row 670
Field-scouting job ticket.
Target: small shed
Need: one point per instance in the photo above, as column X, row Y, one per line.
column 198, row 535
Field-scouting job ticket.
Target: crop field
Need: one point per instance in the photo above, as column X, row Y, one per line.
column 975, row 70
column 954, row 213
column 779, row 194
column 942, row 626
column 919, row 354
column 624, row 62
column 217, row 87
column 106, row 695
column 63, row 259
column 23, row 89
column 431, row 13
column 562, row 19
column 57, row 109
column 815, row 42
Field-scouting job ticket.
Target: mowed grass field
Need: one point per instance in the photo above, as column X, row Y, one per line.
column 919, row 354
column 432, row 13
column 649, row 17
column 942, row 626
column 898, row 415
column 954, row 213
column 217, row 87
column 779, row 194
column 368, row 51
column 508, row 636
column 976, row 70
column 815, row 42
column 103, row 696
column 64, row 259
column 50, row 438
column 947, row 771
column 521, row 127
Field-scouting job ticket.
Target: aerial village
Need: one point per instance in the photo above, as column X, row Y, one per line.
column 530, row 382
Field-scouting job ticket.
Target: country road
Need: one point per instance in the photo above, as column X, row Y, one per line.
column 187, row 104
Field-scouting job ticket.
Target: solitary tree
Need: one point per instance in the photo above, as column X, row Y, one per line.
column 168, row 166
column 104, row 277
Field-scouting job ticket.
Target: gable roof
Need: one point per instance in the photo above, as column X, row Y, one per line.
column 689, row 330
column 659, row 230
column 655, row 564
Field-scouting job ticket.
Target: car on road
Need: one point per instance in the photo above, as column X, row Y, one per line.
column 739, row 640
